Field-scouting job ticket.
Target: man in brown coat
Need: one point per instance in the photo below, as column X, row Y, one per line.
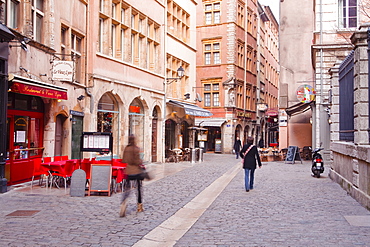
column 131, row 156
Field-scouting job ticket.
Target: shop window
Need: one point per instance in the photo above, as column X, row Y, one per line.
column 106, row 114
column 136, row 121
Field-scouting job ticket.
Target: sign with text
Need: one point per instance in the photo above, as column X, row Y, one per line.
column 45, row 92
column 96, row 142
column 63, row 70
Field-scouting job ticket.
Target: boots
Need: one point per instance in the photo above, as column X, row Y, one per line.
column 140, row 207
column 122, row 211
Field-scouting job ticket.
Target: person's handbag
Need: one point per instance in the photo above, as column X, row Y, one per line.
column 144, row 173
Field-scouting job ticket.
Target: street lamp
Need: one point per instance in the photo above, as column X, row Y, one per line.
column 167, row 81
column 180, row 74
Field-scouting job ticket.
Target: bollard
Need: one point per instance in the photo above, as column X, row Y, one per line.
column 200, row 154
column 193, row 155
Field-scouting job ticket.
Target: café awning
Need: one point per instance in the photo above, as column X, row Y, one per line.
column 211, row 122
column 191, row 109
column 298, row 108
column 23, row 85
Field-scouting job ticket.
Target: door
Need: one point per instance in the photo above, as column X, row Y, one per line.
column 59, row 135
column 77, row 128
column 154, row 139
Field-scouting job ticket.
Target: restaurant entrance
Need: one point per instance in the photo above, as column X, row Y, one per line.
column 25, row 128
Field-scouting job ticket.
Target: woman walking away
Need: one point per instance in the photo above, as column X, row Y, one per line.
column 131, row 156
column 250, row 155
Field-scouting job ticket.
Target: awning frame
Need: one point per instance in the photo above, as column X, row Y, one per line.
column 190, row 109
column 298, row 108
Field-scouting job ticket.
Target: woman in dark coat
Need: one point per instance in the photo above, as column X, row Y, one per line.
column 249, row 165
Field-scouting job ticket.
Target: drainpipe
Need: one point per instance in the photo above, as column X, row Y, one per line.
column 368, row 78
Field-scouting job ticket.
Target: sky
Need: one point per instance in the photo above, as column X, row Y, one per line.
column 274, row 6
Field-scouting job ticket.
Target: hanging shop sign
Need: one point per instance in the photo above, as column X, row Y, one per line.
column 63, row 70
column 306, row 93
column 272, row 112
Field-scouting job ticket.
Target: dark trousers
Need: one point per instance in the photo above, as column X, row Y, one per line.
column 132, row 180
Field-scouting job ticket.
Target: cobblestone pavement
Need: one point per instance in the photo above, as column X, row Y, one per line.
column 287, row 207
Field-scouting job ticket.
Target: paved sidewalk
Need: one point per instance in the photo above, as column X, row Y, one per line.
column 288, row 207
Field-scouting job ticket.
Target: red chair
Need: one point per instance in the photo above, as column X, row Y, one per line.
column 64, row 157
column 46, row 159
column 86, row 166
column 38, row 171
column 57, row 158
column 67, row 172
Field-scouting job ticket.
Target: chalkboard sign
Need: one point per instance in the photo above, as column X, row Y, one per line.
column 218, row 146
column 100, row 178
column 292, row 155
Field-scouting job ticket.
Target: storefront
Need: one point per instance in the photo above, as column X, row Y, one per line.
column 25, row 125
column 213, row 132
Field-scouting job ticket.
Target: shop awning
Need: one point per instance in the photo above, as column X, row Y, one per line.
column 211, row 122
column 190, row 109
column 28, row 86
column 298, row 108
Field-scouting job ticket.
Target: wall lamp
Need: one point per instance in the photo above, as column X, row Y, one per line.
column 180, row 74
column 81, row 97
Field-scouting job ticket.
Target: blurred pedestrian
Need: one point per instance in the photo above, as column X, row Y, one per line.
column 237, row 146
column 250, row 155
column 131, row 156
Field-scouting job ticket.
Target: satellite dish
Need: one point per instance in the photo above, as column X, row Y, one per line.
column 199, row 98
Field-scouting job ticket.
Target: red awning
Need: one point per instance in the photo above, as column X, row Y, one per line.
column 27, row 86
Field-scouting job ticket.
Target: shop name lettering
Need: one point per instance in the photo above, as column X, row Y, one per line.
column 41, row 92
column 62, row 72
column 244, row 114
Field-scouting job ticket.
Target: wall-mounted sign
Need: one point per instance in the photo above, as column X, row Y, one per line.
column 306, row 93
column 244, row 114
column 63, row 70
column 45, row 92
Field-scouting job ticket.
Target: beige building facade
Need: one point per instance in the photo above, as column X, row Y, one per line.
column 98, row 66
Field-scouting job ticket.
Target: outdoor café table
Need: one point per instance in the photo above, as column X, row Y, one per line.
column 53, row 168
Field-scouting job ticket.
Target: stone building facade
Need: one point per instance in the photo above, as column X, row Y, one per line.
column 350, row 162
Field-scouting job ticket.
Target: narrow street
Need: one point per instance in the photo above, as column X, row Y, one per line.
column 200, row 204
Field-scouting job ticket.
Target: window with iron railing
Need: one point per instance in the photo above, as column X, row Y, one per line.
column 346, row 99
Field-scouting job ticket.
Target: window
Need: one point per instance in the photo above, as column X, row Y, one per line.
column 240, row 20
column 37, row 19
column 212, row 53
column 211, row 95
column 212, row 13
column 76, row 51
column 240, row 54
column 347, row 13
column 12, row 12
column 178, row 21
column 101, row 34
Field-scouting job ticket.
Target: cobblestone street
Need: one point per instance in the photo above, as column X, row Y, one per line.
column 287, row 207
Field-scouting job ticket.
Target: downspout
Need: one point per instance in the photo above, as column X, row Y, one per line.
column 245, row 73
column 321, row 81
column 368, row 79
column 87, row 89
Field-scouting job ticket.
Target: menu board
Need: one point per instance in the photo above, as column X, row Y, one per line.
column 96, row 142
column 100, row 178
